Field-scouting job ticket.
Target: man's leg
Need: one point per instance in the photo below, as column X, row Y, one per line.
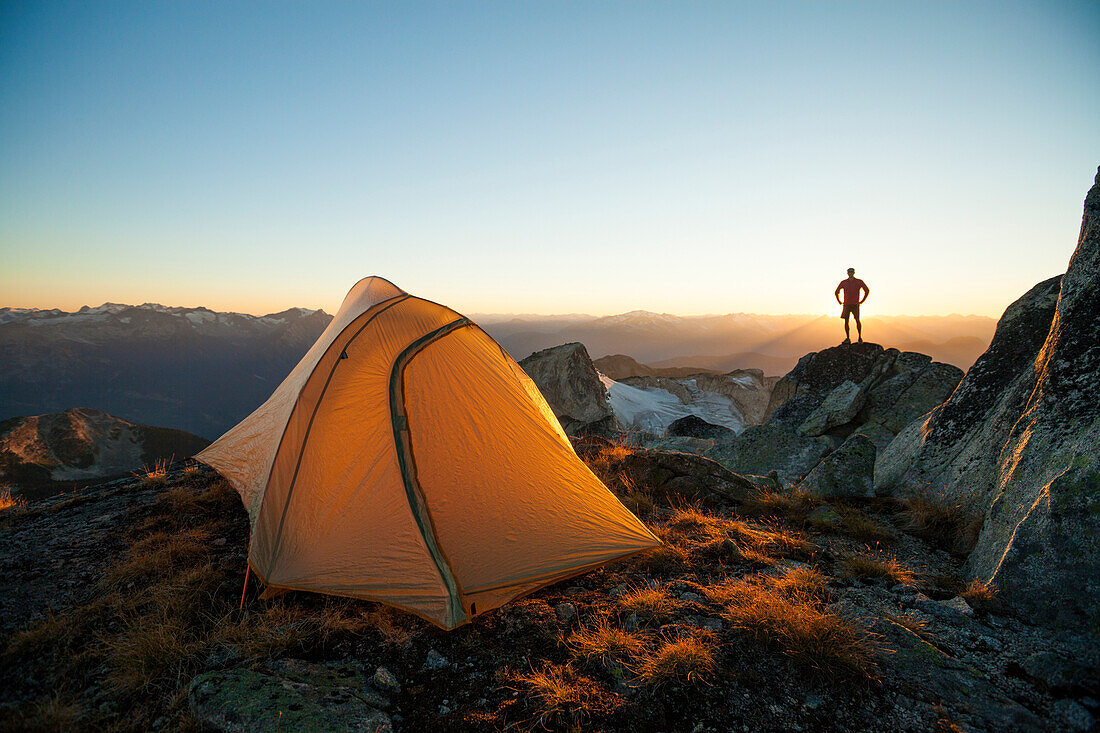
column 859, row 326
column 847, row 330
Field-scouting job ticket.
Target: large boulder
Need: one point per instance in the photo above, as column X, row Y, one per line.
column 569, row 382
column 838, row 408
column 845, row 388
column 955, row 449
column 1040, row 543
column 847, row 471
column 764, row 448
column 803, row 389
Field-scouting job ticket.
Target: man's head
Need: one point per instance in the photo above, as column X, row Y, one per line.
column 851, row 272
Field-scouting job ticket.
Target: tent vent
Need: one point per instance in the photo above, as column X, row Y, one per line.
column 344, row 354
column 473, row 609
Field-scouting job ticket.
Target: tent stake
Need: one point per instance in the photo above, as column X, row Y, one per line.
column 247, row 570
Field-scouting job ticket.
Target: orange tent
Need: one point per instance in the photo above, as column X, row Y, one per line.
column 408, row 459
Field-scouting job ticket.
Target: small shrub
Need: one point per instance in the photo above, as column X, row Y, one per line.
column 866, row 566
column 687, row 660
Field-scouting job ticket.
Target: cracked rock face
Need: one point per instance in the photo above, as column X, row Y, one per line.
column 1040, row 543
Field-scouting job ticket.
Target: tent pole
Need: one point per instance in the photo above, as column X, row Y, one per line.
column 247, row 570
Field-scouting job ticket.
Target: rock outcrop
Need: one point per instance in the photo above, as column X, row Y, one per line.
column 831, row 395
column 1040, row 543
column 954, row 450
column 82, row 443
column 571, row 385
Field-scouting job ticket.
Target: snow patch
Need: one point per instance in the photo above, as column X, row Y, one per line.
column 653, row 409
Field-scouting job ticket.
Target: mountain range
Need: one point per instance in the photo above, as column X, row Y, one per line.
column 202, row 371
column 187, row 368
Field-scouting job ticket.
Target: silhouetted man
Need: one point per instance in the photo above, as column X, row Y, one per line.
column 852, row 300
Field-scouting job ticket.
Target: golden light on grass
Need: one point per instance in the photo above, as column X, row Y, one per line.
column 649, row 604
column 155, row 475
column 563, row 699
column 605, row 644
column 697, row 539
column 788, row 611
column 690, row 659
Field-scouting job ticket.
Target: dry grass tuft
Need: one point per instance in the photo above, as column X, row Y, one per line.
column 605, row 644
column 788, row 611
column 155, row 475
column 859, row 526
column 982, row 596
column 649, row 604
column 792, row 505
column 7, row 501
column 950, row 525
column 689, row 659
column 563, row 699
column 866, row 566
column 635, row 498
column 152, row 557
column 913, row 624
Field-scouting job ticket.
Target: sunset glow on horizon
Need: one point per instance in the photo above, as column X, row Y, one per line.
column 559, row 158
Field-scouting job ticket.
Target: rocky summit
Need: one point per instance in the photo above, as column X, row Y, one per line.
column 831, row 395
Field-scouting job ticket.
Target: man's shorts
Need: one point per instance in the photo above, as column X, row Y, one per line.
column 853, row 309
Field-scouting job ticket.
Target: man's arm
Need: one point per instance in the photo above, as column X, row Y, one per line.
column 836, row 293
column 866, row 292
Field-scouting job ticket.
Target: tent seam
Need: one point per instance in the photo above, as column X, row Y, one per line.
column 305, row 439
column 407, row 463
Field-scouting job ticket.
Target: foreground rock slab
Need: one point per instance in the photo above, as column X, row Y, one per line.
column 291, row 695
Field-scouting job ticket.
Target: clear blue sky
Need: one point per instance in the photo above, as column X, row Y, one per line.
column 549, row 157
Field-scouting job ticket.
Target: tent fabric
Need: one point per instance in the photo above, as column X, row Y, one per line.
column 408, row 459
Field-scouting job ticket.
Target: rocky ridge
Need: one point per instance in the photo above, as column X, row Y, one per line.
column 82, row 443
